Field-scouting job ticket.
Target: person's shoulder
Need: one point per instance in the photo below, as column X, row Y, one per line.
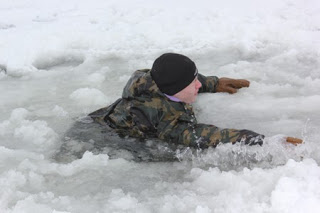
column 140, row 84
column 140, row 75
column 143, row 70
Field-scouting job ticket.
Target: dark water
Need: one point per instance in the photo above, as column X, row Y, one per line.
column 86, row 135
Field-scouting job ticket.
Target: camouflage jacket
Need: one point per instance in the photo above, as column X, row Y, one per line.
column 144, row 112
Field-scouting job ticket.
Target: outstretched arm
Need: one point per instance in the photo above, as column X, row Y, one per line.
column 204, row 135
column 214, row 84
column 209, row 83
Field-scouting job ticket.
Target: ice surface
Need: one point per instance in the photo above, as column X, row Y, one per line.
column 60, row 60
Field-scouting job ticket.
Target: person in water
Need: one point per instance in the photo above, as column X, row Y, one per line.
column 156, row 103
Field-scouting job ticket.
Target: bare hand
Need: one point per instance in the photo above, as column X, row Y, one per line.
column 231, row 85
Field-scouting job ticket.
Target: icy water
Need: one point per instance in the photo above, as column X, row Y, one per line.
column 60, row 60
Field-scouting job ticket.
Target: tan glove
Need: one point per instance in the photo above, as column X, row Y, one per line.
column 294, row 141
column 231, row 85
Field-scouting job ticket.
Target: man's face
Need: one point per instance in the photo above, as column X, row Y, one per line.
column 189, row 94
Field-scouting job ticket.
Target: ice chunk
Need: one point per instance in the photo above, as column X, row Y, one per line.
column 59, row 111
column 35, row 132
column 89, row 96
column 96, row 78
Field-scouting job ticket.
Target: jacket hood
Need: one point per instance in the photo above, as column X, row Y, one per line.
column 141, row 84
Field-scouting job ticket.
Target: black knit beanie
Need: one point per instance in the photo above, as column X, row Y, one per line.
column 173, row 72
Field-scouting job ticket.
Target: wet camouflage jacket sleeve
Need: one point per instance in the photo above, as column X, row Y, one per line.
column 185, row 130
column 209, row 83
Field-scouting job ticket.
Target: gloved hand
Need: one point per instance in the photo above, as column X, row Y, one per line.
column 294, row 141
column 231, row 85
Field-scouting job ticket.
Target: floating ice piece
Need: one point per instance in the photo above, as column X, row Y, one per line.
column 89, row 96
column 96, row 78
column 59, row 111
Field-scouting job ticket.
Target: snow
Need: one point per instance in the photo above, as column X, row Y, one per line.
column 60, row 60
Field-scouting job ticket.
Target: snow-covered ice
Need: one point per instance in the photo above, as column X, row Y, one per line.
column 60, row 60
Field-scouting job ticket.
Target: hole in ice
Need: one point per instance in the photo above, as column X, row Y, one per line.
column 86, row 135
